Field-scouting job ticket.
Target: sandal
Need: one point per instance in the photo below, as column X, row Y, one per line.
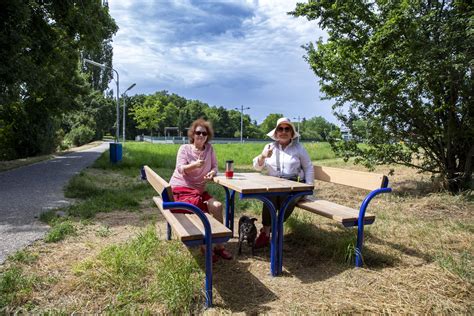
column 223, row 253
column 263, row 240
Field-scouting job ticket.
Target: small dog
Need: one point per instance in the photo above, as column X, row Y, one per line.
column 247, row 232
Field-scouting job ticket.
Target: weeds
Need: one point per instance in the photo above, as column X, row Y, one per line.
column 14, row 287
column 60, row 231
column 24, row 256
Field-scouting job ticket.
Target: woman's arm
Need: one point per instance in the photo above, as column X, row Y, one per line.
column 307, row 165
column 182, row 163
column 259, row 161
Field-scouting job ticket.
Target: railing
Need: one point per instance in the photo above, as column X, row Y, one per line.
column 184, row 140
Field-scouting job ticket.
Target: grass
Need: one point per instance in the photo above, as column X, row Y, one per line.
column 111, row 258
column 143, row 271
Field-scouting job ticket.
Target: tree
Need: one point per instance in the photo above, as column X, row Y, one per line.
column 146, row 117
column 40, row 46
column 317, row 128
column 269, row 122
column 406, row 68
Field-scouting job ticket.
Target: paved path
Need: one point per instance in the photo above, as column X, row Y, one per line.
column 28, row 191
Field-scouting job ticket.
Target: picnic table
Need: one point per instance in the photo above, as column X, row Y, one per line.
column 261, row 187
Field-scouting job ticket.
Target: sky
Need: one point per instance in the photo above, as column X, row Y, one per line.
column 228, row 53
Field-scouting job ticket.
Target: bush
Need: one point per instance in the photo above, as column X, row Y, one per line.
column 80, row 135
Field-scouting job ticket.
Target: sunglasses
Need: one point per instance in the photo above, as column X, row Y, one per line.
column 199, row 133
column 281, row 129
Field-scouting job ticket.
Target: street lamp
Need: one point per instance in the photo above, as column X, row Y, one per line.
column 298, row 118
column 124, row 110
column 118, row 100
column 242, row 121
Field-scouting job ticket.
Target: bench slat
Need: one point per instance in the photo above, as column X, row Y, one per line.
column 158, row 183
column 343, row 214
column 189, row 226
column 358, row 179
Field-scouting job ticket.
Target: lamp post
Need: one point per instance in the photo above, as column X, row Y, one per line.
column 118, row 100
column 125, row 110
column 298, row 118
column 242, row 121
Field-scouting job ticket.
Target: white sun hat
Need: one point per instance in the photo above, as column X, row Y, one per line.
column 283, row 120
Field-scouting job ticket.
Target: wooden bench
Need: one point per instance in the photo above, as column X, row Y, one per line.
column 198, row 228
column 349, row 217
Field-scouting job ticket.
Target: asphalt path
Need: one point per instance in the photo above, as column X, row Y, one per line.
column 28, row 191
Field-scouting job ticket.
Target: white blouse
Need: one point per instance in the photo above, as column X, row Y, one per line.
column 292, row 162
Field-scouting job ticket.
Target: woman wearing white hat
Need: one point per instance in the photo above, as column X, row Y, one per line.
column 283, row 158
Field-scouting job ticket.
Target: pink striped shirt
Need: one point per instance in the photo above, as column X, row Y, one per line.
column 195, row 178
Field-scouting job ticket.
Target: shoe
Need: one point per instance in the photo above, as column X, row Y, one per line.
column 263, row 240
column 223, row 253
column 215, row 258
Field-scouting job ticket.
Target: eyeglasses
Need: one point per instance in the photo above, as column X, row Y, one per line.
column 286, row 129
column 199, row 133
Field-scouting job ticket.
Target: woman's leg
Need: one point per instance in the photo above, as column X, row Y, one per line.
column 215, row 209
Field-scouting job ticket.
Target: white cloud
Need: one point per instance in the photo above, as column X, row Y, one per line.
column 225, row 53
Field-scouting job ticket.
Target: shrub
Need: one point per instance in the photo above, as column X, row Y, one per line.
column 80, row 135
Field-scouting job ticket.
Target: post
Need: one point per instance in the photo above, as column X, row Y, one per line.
column 298, row 125
column 115, row 148
column 125, row 110
column 117, row 132
column 242, row 121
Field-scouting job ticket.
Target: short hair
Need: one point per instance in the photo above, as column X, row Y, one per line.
column 203, row 123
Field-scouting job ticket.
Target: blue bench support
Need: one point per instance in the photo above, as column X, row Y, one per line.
column 375, row 183
column 191, row 235
column 207, row 241
column 360, row 223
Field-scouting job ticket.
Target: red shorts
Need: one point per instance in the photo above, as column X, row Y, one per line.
column 191, row 196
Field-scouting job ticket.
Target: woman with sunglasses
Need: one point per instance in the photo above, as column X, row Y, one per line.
column 283, row 158
column 196, row 164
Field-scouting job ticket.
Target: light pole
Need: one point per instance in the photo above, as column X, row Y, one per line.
column 118, row 98
column 242, row 121
column 125, row 110
column 298, row 118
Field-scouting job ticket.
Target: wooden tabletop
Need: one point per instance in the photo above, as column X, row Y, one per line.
column 259, row 183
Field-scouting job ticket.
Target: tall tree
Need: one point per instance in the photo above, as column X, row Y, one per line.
column 40, row 44
column 269, row 122
column 406, row 68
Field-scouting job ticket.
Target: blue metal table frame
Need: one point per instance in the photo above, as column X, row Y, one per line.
column 286, row 189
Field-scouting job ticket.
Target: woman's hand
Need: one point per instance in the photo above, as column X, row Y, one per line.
column 211, row 174
column 267, row 151
column 198, row 163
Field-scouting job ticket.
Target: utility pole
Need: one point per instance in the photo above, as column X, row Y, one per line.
column 242, row 121
column 117, row 130
column 125, row 110
column 298, row 121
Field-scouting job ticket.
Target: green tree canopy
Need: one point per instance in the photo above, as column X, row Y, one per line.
column 269, row 122
column 40, row 46
column 405, row 67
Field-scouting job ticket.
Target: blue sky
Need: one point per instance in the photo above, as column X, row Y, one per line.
column 225, row 53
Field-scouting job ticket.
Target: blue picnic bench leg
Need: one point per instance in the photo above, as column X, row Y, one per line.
column 207, row 242
column 274, row 240
column 281, row 218
column 359, row 260
column 360, row 241
column 229, row 208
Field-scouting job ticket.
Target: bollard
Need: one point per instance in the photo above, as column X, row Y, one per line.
column 143, row 174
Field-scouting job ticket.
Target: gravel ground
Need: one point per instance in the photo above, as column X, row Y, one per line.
column 28, row 191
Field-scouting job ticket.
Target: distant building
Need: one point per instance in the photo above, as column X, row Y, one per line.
column 346, row 134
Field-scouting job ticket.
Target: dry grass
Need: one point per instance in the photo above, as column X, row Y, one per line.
column 418, row 257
